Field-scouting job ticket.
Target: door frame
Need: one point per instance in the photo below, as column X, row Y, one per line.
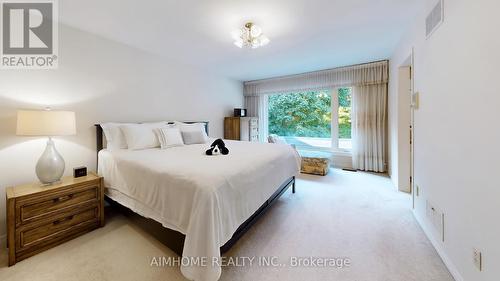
column 412, row 129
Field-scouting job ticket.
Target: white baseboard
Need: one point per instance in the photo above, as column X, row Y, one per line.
column 446, row 260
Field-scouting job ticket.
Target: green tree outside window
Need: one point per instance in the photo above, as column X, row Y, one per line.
column 308, row 114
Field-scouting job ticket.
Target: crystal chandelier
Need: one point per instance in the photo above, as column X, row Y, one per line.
column 250, row 36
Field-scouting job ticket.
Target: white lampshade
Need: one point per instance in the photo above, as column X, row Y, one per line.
column 45, row 123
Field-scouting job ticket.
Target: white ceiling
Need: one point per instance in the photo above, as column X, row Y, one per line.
column 306, row 35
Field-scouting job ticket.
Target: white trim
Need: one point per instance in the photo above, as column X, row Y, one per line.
column 334, row 94
column 440, row 250
column 341, row 153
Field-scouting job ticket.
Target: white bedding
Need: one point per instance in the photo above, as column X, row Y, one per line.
column 204, row 197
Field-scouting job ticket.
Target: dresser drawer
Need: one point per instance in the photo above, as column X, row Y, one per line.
column 62, row 226
column 41, row 217
column 40, row 208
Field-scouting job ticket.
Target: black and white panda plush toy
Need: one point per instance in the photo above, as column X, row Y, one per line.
column 218, row 147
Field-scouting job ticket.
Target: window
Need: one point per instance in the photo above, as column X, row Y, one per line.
column 314, row 120
column 303, row 119
column 344, row 125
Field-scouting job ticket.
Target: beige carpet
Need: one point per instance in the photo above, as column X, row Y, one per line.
column 345, row 214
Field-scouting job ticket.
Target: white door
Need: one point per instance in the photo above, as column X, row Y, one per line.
column 404, row 129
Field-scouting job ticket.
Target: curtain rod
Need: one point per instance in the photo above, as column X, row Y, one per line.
column 316, row 71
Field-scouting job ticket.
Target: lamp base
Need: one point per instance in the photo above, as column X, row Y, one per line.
column 50, row 166
column 50, row 184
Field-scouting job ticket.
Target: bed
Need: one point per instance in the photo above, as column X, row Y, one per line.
column 209, row 200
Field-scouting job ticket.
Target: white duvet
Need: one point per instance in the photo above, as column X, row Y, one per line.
column 204, row 197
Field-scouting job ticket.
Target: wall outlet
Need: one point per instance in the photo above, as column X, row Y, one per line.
column 478, row 259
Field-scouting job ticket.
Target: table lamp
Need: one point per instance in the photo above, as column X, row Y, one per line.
column 49, row 123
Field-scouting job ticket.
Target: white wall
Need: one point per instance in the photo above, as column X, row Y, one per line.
column 103, row 81
column 457, row 131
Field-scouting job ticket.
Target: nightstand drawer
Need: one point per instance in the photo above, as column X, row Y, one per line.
column 59, row 228
column 33, row 209
column 41, row 217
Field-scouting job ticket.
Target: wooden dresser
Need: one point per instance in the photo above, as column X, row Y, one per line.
column 241, row 128
column 41, row 217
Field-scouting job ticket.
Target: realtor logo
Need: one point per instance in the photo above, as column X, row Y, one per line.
column 29, row 34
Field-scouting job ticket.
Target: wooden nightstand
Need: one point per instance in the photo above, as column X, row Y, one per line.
column 41, row 217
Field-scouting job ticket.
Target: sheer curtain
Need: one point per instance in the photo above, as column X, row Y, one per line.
column 369, row 127
column 257, row 106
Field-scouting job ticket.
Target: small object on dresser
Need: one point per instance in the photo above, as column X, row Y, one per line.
column 240, row 112
column 79, row 172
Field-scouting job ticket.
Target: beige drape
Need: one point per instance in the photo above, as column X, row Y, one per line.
column 257, row 106
column 357, row 75
column 369, row 125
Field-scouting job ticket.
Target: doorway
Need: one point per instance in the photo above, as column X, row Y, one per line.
column 405, row 127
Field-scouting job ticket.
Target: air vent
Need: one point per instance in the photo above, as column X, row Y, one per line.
column 435, row 18
column 436, row 217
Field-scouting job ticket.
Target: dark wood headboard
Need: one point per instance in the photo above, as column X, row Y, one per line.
column 100, row 136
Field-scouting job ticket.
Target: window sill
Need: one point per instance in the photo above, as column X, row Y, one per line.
column 334, row 152
column 346, row 153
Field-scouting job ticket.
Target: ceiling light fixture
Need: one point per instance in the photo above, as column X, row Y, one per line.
column 250, row 36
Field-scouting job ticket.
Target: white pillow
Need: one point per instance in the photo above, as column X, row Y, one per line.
column 193, row 133
column 190, row 126
column 170, row 137
column 142, row 136
column 114, row 136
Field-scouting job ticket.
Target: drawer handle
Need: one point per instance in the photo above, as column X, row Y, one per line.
column 63, row 198
column 62, row 220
